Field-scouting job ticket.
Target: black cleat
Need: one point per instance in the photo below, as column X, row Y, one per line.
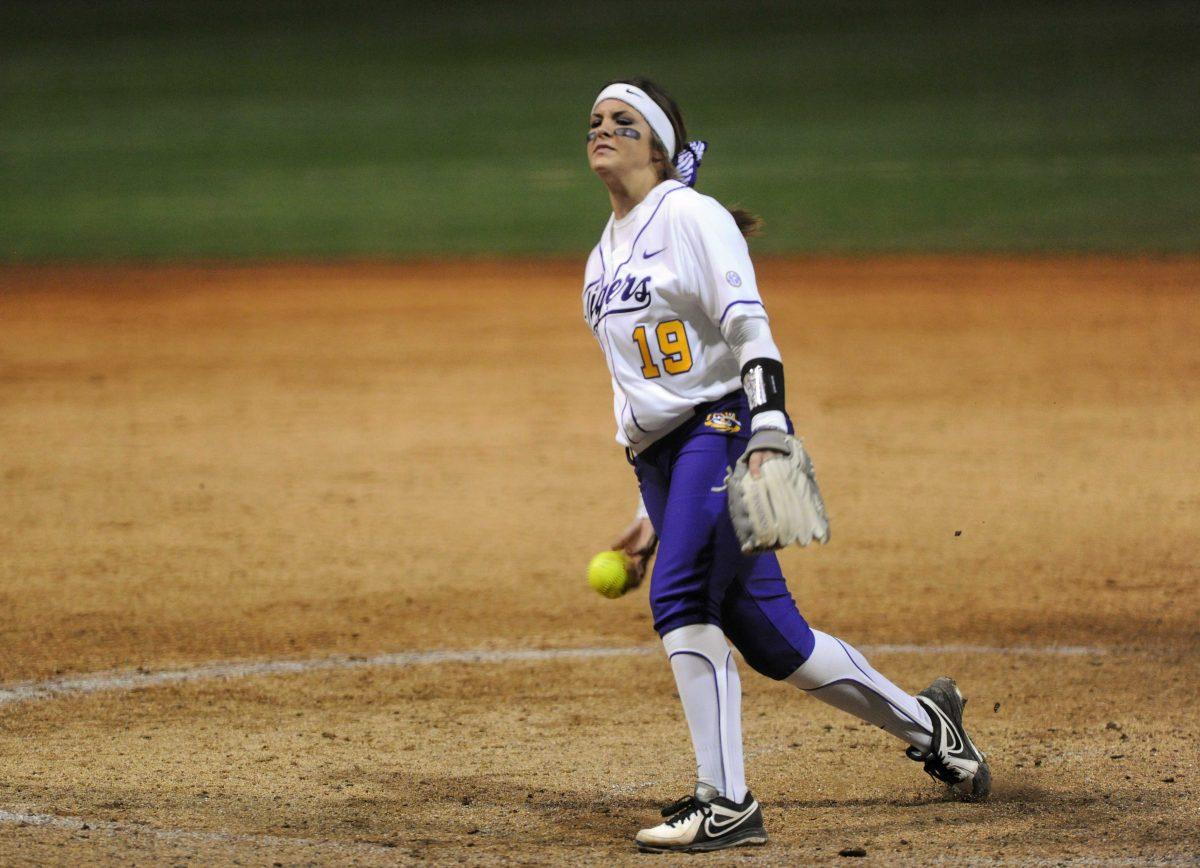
column 954, row 760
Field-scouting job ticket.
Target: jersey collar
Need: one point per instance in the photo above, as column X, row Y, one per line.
column 638, row 212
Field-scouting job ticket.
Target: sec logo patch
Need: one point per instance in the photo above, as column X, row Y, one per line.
column 726, row 422
column 733, row 278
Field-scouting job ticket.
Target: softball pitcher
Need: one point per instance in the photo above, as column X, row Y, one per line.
column 698, row 395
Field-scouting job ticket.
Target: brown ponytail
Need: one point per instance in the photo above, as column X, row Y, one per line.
column 748, row 224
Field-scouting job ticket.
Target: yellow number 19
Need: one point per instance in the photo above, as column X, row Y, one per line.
column 672, row 343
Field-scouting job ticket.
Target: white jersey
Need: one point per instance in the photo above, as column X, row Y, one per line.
column 658, row 288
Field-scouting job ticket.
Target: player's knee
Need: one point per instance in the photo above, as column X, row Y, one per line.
column 673, row 606
column 669, row 618
column 775, row 660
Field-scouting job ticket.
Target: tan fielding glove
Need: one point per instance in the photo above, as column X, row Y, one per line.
column 782, row 507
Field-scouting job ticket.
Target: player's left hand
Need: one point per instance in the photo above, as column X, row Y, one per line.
column 639, row 541
column 757, row 458
column 781, row 503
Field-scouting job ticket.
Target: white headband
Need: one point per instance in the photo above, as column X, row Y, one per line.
column 650, row 110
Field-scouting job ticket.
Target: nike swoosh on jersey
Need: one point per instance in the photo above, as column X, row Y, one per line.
column 646, row 255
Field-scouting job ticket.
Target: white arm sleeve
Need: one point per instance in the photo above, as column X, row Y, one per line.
column 750, row 338
column 641, row 509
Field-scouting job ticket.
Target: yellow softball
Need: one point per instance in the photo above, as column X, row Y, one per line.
column 609, row 573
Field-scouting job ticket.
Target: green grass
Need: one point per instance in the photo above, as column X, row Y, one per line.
column 136, row 130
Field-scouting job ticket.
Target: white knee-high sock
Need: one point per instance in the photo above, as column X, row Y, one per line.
column 711, row 692
column 837, row 674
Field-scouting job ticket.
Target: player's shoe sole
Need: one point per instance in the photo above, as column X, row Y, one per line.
column 954, row 759
column 748, row 838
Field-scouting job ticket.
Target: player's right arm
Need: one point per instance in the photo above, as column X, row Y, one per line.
column 639, row 541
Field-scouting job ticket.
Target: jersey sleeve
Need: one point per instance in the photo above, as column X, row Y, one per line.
column 722, row 272
column 592, row 275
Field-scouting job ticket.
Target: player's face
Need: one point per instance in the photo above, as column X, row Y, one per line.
column 618, row 139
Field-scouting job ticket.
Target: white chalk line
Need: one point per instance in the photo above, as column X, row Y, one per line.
column 125, row 680
column 181, row 836
column 138, row 679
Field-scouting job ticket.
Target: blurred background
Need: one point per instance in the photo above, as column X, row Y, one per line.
column 207, row 130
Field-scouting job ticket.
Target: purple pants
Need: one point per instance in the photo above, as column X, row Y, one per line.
column 700, row 575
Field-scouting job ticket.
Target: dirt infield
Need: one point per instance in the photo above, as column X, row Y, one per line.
column 332, row 463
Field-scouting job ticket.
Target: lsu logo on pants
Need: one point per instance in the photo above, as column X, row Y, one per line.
column 724, row 421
